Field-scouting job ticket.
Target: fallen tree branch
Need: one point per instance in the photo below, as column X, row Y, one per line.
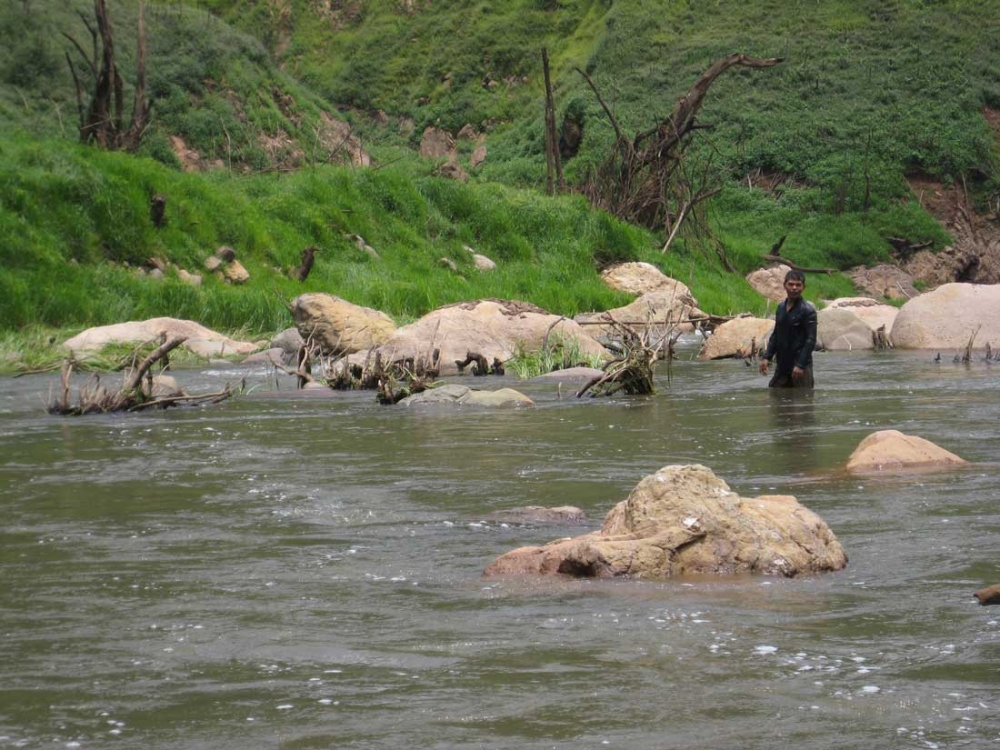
column 785, row 261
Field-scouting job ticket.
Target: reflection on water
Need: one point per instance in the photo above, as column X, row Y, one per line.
column 301, row 573
column 791, row 418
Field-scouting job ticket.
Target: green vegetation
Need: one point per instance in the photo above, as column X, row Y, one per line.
column 816, row 149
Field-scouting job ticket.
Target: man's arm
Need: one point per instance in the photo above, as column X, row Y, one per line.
column 772, row 342
column 809, row 321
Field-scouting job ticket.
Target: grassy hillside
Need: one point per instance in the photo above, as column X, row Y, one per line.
column 816, row 149
column 75, row 230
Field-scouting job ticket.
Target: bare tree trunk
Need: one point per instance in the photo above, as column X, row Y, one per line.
column 552, row 158
column 102, row 122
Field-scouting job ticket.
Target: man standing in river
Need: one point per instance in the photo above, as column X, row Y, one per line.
column 793, row 338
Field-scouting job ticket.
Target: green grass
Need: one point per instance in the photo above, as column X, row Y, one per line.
column 869, row 93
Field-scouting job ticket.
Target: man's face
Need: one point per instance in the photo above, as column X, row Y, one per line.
column 794, row 287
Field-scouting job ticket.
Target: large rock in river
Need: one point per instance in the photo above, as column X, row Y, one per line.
column 134, row 333
column 339, row 326
column 875, row 314
column 948, row 316
column 739, row 337
column 891, row 450
column 496, row 329
column 839, row 329
column 453, row 394
column 685, row 520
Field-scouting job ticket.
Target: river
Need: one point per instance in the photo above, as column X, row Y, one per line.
column 300, row 572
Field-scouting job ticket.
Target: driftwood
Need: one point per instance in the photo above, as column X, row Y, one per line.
column 133, row 395
column 780, row 259
column 904, row 249
column 644, row 180
column 633, row 371
column 102, row 120
column 880, row 339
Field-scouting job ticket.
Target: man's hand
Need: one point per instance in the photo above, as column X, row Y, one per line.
column 797, row 373
column 764, row 365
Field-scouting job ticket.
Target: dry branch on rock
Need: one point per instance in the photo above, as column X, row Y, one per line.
column 136, row 393
column 632, row 372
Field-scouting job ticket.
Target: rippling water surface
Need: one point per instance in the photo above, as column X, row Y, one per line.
column 289, row 571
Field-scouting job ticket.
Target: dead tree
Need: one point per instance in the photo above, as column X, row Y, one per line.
column 102, row 121
column 632, row 371
column 644, row 180
column 134, row 394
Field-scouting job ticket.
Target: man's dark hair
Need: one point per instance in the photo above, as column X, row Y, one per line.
column 796, row 275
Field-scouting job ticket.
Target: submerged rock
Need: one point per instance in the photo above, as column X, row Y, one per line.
column 459, row 395
column 685, row 520
column 891, row 450
column 538, row 514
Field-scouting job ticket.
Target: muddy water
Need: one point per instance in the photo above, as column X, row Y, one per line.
column 296, row 572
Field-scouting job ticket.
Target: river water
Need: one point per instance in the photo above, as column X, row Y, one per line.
column 298, row 572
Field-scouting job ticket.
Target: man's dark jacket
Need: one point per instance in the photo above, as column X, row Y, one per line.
column 794, row 336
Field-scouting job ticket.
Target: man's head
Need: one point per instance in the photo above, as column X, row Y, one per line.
column 795, row 282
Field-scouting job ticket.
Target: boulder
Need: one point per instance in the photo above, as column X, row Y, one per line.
column 769, row 282
column 453, row 394
column 163, row 386
column 436, row 143
column 478, row 156
column 948, row 316
column 211, row 348
column 192, row 279
column 684, row 520
column 739, row 337
column 891, row 450
column 235, row 273
column 138, row 332
column 532, row 514
column 663, row 308
column 839, row 329
column 988, row 595
column 267, row 357
column 640, row 278
column 884, row 281
column 289, row 341
column 496, row 329
column 338, row 326
column 874, row 313
column 481, row 262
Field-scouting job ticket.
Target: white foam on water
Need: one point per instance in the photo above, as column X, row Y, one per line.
column 871, row 689
column 765, row 649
